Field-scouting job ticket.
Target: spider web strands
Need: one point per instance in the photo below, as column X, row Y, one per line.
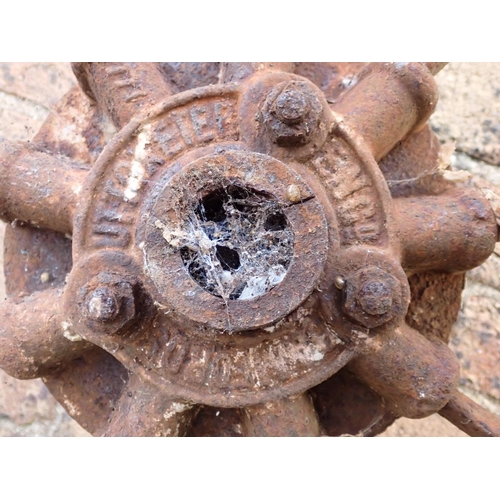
column 122, row 89
column 237, row 244
column 34, row 338
column 38, row 188
column 470, row 417
column 144, row 411
column 294, row 416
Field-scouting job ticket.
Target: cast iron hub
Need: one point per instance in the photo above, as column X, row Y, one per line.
column 243, row 263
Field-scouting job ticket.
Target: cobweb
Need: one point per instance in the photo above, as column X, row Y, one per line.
column 237, row 244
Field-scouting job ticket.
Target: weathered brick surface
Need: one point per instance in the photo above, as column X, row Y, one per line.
column 27, row 92
column 28, row 409
column 469, row 109
column 468, row 116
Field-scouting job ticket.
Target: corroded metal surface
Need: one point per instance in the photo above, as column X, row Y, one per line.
column 252, row 249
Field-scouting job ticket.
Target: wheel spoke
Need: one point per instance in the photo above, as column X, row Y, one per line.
column 470, row 417
column 237, row 71
column 144, row 411
column 33, row 336
column 293, row 416
column 89, row 387
column 435, row 67
column 409, row 98
column 122, row 89
column 38, row 188
column 415, row 376
column 431, row 228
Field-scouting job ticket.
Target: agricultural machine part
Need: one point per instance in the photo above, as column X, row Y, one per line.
column 240, row 249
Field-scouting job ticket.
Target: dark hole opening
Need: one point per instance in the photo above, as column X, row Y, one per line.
column 228, row 258
column 195, row 269
column 211, row 208
column 275, row 222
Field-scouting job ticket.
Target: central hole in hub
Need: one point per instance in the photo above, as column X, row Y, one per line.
column 241, row 243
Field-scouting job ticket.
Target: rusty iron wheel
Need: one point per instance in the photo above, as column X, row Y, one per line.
column 240, row 250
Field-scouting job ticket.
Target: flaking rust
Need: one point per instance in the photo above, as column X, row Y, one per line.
column 244, row 253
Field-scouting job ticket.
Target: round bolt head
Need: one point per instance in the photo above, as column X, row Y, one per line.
column 375, row 297
column 108, row 302
column 372, row 297
column 291, row 106
column 102, row 304
column 292, row 113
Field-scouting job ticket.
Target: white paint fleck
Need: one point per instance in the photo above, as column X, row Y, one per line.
column 162, row 307
column 334, row 338
column 67, row 333
column 360, row 335
column 239, row 355
column 70, row 133
column 137, row 171
column 349, row 81
column 73, row 411
column 176, row 408
column 253, row 368
column 317, row 356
